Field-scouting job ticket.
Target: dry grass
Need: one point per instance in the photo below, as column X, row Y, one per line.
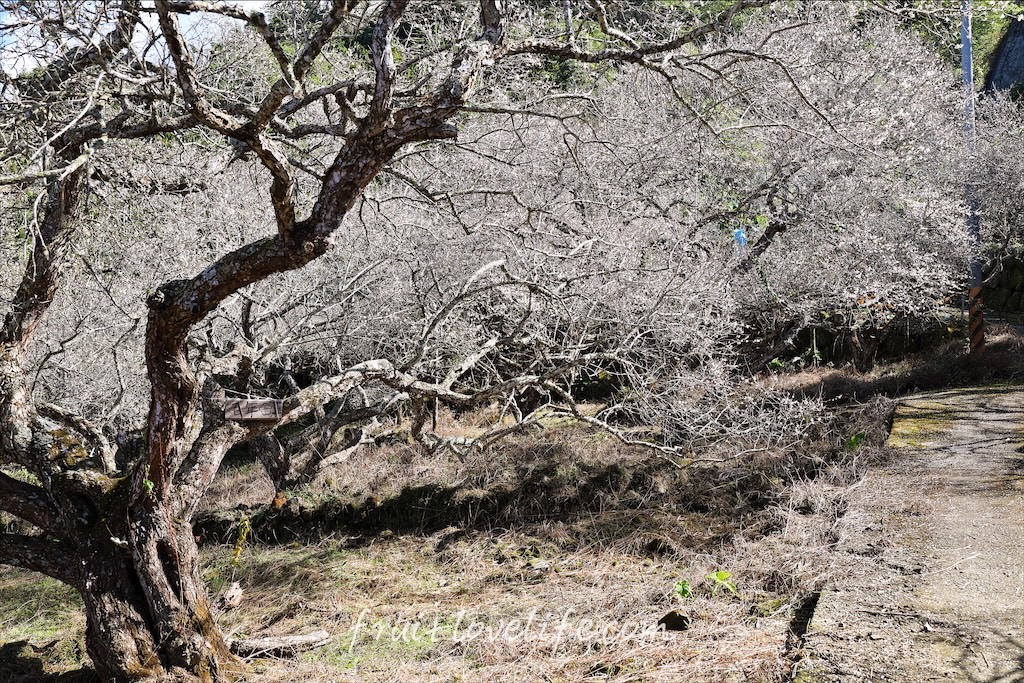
column 946, row 366
column 403, row 609
column 244, row 483
column 436, row 559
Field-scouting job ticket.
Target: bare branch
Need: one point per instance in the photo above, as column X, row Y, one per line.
column 636, row 55
column 54, row 559
column 206, row 113
column 251, row 16
column 339, row 10
column 30, row 503
column 573, row 410
column 47, row 173
column 384, row 64
column 602, row 20
column 52, row 240
column 279, row 646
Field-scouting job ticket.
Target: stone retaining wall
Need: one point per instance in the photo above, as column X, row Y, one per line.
column 1006, row 290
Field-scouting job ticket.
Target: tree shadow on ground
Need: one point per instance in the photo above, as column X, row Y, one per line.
column 648, row 506
column 976, row 667
column 22, row 662
column 940, row 368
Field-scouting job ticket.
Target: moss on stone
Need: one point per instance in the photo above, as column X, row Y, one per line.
column 918, row 422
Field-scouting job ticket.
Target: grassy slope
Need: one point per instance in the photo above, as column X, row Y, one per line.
column 418, row 566
column 568, row 527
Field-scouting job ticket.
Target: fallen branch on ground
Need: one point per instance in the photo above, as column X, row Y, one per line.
column 282, row 646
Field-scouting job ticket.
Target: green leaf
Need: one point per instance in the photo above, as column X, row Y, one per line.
column 683, row 588
column 720, row 579
column 855, row 441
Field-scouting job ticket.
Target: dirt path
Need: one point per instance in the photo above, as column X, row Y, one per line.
column 935, row 589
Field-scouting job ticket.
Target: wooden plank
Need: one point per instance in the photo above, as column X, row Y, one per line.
column 253, row 409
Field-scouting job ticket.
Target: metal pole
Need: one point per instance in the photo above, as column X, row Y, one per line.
column 976, row 324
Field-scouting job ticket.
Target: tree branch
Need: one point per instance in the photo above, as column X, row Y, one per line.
column 251, row 131
column 279, row 646
column 602, row 20
column 52, row 239
column 206, row 113
column 384, row 64
column 249, row 15
column 54, row 559
column 29, row 502
column 94, row 51
column 339, row 10
column 364, row 157
column 638, row 54
column 47, row 173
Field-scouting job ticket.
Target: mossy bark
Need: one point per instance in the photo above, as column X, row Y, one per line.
column 147, row 613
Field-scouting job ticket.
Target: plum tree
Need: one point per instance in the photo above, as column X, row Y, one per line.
column 350, row 86
column 456, row 203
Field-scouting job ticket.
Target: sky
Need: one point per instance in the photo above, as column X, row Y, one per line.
column 19, row 47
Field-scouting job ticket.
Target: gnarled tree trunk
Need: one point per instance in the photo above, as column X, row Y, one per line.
column 147, row 613
column 124, row 545
column 133, row 561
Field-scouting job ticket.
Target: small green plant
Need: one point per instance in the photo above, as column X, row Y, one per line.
column 720, row 580
column 683, row 589
column 147, row 484
column 854, row 442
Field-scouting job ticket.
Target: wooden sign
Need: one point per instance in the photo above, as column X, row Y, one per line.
column 245, row 409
